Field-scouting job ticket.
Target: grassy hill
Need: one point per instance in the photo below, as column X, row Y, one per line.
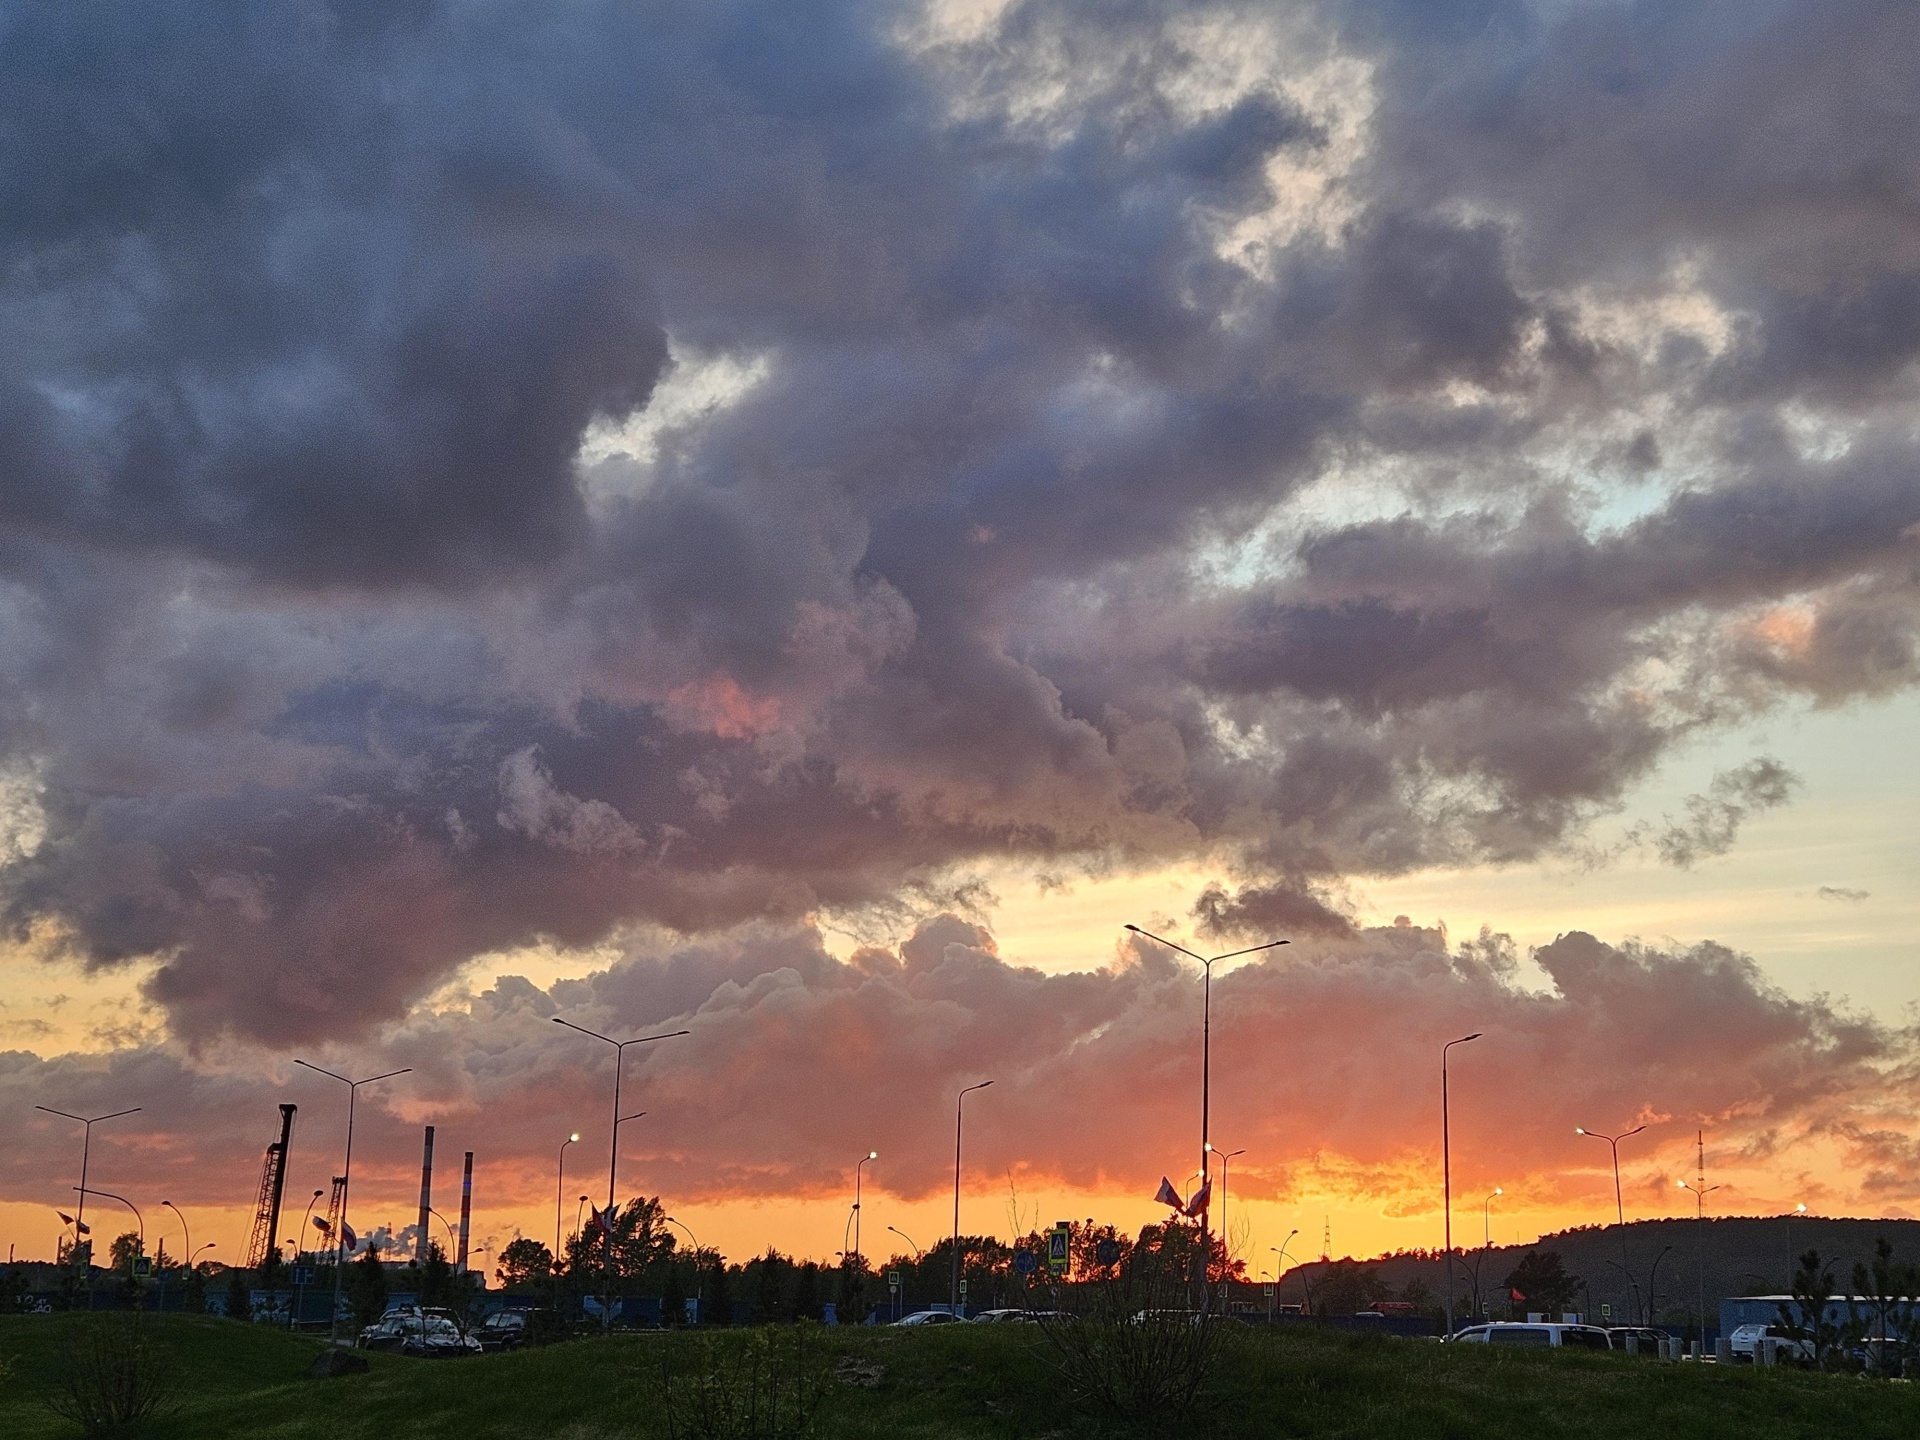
column 966, row 1381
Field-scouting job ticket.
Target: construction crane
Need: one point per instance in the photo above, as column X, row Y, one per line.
column 265, row 1240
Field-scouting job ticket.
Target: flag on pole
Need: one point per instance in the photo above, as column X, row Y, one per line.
column 346, row 1234
column 1202, row 1198
column 602, row 1220
column 1168, row 1195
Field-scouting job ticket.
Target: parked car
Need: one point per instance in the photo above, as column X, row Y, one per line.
column 999, row 1317
column 504, row 1330
column 426, row 1328
column 1646, row 1340
column 1539, row 1335
column 433, row 1338
column 1745, row 1339
column 929, row 1317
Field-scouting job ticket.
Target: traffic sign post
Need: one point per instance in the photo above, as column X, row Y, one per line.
column 1057, row 1247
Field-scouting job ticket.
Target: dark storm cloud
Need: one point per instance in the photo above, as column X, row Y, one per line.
column 1081, row 348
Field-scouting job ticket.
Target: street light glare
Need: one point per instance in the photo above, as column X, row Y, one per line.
column 575, row 1137
column 873, row 1154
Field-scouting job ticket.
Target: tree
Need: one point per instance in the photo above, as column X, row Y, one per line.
column 525, row 1262
column 1346, row 1289
column 1542, row 1282
column 366, row 1288
column 239, row 1300
column 1805, row 1316
column 1886, row 1309
column 124, row 1251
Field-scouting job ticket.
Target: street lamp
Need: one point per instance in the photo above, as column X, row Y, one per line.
column 1279, row 1265
column 1486, row 1220
column 1206, row 1072
column 1446, row 1168
column 187, row 1241
column 340, row 1239
column 86, row 1146
column 1799, row 1209
column 1226, row 1234
column 1619, row 1203
column 559, row 1183
column 917, row 1252
column 304, row 1219
column 953, row 1307
column 870, row 1155
column 613, row 1143
column 137, row 1219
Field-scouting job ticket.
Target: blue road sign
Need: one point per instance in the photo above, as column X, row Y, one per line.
column 1107, row 1252
column 1024, row 1262
column 303, row 1274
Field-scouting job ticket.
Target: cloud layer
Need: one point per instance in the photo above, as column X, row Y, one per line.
column 1324, row 1070
column 476, row 474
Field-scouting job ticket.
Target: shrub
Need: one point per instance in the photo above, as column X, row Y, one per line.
column 1132, row 1348
column 114, row 1376
column 764, row 1386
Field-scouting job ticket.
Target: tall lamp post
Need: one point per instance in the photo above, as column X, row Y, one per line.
column 1226, row 1234
column 1206, row 1074
column 917, row 1251
column 1619, row 1204
column 870, row 1155
column 86, row 1147
column 1446, row 1168
column 959, row 1104
column 613, row 1143
column 1486, row 1219
column 346, row 1176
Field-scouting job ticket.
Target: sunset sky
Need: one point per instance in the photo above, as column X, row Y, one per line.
column 797, row 520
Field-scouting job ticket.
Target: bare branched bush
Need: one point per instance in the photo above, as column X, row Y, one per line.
column 1129, row 1346
column 767, row 1385
column 114, row 1376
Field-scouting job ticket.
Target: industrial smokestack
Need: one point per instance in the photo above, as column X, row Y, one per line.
column 426, row 1199
column 466, row 1212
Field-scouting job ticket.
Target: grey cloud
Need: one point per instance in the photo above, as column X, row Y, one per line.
column 332, row 675
column 1712, row 821
column 1842, row 892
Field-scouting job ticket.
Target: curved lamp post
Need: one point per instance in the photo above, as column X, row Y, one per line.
column 1486, row 1219
column 1206, row 1073
column 559, row 1186
column 1446, row 1167
column 958, row 1112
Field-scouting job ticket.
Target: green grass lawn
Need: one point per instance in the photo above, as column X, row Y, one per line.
column 238, row 1380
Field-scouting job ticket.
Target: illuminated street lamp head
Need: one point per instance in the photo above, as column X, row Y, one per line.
column 574, row 1137
column 873, row 1154
column 1498, row 1191
column 1579, row 1130
column 1208, row 1147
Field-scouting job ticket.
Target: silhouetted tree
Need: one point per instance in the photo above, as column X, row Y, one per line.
column 1542, row 1282
column 1805, row 1316
column 1885, row 1308
column 524, row 1262
column 366, row 1288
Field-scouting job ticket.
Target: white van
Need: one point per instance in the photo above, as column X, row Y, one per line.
column 1536, row 1334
